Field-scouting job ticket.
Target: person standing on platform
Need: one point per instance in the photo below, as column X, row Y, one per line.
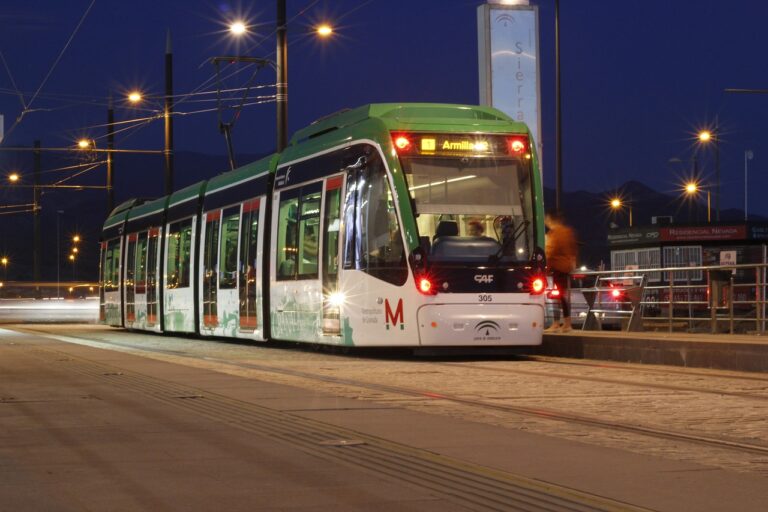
column 561, row 250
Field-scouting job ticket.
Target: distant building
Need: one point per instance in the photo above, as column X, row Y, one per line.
column 687, row 245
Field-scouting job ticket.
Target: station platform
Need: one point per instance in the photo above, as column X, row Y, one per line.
column 87, row 428
column 748, row 353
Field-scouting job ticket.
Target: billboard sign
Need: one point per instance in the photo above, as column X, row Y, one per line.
column 508, row 44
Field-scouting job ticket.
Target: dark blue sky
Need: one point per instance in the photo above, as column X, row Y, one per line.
column 638, row 77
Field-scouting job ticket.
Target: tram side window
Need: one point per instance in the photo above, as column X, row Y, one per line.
column 111, row 271
column 383, row 253
column 298, row 232
column 179, row 253
column 228, row 255
column 286, row 238
column 309, row 235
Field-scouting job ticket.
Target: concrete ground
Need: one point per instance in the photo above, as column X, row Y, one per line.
column 85, row 428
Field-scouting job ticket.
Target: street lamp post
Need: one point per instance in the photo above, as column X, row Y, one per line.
column 58, row 251
column 692, row 189
column 748, row 155
column 706, row 136
column 110, row 162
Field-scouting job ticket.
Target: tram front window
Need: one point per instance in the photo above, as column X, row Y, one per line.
column 469, row 209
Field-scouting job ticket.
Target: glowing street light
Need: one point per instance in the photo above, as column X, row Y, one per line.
column 617, row 204
column 84, row 143
column 238, row 28
column 76, row 238
column 13, row 177
column 705, row 136
column 72, row 257
column 324, row 30
column 135, row 97
column 692, row 189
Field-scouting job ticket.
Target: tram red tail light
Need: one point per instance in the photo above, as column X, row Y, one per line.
column 617, row 293
column 554, row 293
column 402, row 142
column 517, row 145
column 425, row 285
column 538, row 285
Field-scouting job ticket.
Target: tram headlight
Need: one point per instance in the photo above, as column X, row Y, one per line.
column 336, row 299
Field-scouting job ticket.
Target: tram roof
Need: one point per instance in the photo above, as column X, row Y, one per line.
column 251, row 169
column 415, row 116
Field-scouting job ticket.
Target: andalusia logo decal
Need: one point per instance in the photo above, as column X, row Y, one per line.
column 394, row 318
column 487, row 330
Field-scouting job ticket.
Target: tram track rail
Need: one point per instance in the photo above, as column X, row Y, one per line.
column 606, row 380
column 525, row 411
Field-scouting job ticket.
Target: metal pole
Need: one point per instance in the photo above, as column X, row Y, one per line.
column 110, row 163
column 58, row 251
column 717, row 170
column 747, row 156
column 671, row 313
column 282, row 78
column 709, row 207
column 168, row 114
column 37, row 239
column 558, row 114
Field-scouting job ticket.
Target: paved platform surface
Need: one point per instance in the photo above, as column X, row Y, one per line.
column 91, row 429
column 748, row 353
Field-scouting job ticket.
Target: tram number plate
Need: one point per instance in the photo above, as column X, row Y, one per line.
column 485, row 297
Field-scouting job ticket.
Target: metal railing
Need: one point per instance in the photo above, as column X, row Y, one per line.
column 705, row 299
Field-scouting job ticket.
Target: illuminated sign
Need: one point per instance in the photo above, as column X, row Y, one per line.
column 508, row 44
column 460, row 145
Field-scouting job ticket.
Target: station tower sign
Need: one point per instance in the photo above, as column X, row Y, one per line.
column 508, row 44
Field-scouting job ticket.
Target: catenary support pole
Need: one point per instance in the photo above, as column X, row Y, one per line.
column 282, row 78
column 110, row 157
column 168, row 111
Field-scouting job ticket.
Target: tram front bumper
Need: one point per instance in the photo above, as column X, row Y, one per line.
column 481, row 324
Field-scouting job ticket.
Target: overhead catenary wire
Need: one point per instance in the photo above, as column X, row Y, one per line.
column 213, row 77
column 21, row 205
column 16, row 90
column 50, row 71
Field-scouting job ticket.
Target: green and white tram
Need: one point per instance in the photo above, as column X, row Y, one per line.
column 386, row 225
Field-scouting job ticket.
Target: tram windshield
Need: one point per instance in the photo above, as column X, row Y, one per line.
column 472, row 210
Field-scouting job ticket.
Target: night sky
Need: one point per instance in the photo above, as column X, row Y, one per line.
column 638, row 78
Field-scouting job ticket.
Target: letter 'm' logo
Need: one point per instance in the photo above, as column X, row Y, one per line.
column 396, row 317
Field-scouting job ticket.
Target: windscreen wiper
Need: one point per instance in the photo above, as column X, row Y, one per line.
column 519, row 230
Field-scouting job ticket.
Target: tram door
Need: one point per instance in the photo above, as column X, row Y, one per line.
column 130, row 276
column 249, row 266
column 153, row 250
column 296, row 293
column 332, row 298
column 210, row 267
column 140, row 281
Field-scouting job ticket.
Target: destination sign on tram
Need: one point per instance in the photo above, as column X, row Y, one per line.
column 460, row 145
